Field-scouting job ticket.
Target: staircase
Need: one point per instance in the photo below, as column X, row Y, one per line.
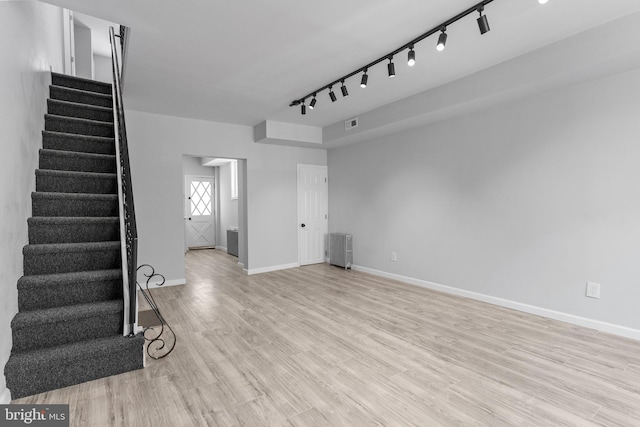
column 69, row 326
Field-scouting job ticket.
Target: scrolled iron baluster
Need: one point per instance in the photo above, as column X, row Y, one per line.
column 157, row 343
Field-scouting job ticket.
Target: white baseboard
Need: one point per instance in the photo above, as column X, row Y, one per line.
column 221, row 248
column 531, row 309
column 271, row 268
column 155, row 283
column 5, row 397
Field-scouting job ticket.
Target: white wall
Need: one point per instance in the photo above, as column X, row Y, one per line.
column 30, row 42
column 525, row 201
column 102, row 68
column 228, row 207
column 157, row 144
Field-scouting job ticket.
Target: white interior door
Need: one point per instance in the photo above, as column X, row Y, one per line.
column 312, row 214
column 199, row 212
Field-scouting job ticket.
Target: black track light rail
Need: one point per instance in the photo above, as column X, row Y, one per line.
column 389, row 55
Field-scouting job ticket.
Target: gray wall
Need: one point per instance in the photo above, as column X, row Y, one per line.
column 525, row 201
column 32, row 42
column 228, row 207
column 157, row 183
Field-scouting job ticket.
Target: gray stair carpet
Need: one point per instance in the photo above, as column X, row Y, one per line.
column 69, row 327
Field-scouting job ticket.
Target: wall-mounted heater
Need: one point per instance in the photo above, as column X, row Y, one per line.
column 341, row 250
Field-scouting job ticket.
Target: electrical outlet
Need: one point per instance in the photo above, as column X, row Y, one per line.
column 394, row 256
column 593, row 290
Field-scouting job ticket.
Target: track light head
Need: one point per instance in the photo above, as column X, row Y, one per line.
column 411, row 57
column 312, row 104
column 344, row 90
column 442, row 40
column 332, row 95
column 391, row 69
column 303, row 108
column 483, row 23
column 364, row 80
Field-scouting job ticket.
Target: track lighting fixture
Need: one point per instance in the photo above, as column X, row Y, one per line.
column 440, row 30
column 303, row 109
column 391, row 69
column 442, row 40
column 483, row 23
column 411, row 57
column 364, row 79
column 331, row 94
column 344, row 90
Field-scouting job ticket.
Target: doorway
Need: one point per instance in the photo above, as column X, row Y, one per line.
column 200, row 230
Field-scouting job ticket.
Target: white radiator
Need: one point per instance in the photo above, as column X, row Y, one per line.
column 341, row 249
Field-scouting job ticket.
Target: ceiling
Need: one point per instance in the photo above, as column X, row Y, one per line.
column 243, row 62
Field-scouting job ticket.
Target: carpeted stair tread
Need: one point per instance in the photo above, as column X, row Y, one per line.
column 56, row 290
column 29, row 319
column 76, row 182
column 80, row 143
column 74, row 204
column 45, row 369
column 56, row 326
column 80, row 96
column 80, row 83
column 73, row 229
column 75, row 161
column 52, row 258
column 81, row 111
column 57, row 123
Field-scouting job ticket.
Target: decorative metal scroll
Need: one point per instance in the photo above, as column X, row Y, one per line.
column 161, row 339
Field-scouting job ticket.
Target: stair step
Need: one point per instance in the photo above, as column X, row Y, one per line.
column 81, row 111
column 78, row 126
column 80, row 143
column 79, row 162
column 74, row 204
column 52, row 258
column 80, row 83
column 56, row 326
column 57, row 290
column 76, row 182
column 41, row 370
column 80, row 96
column 73, row 229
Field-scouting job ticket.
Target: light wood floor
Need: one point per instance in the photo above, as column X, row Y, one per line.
column 321, row 346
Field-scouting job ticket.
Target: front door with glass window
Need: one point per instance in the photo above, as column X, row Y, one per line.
column 199, row 212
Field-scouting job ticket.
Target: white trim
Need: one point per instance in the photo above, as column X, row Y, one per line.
column 154, row 283
column 5, row 397
column 221, row 248
column 531, row 309
column 271, row 268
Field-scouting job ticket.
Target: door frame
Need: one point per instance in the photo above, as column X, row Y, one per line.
column 298, row 213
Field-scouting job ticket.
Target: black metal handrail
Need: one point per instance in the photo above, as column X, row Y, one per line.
column 128, row 207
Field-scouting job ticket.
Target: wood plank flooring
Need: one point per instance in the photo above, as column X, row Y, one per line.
column 321, row 346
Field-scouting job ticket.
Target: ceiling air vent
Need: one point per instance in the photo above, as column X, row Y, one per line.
column 351, row 123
